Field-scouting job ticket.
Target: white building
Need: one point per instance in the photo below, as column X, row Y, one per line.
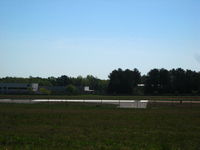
column 18, row 88
column 87, row 89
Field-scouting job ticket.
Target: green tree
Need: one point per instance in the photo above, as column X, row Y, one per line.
column 152, row 81
column 63, row 80
column 123, row 82
column 71, row 89
column 164, row 81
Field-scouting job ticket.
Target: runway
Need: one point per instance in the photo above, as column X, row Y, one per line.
column 118, row 103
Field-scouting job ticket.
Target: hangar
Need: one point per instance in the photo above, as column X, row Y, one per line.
column 18, row 88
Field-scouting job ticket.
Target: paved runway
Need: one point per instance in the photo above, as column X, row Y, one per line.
column 118, row 103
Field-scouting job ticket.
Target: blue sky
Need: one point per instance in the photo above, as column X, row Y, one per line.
column 80, row 37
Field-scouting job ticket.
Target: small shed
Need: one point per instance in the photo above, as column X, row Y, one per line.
column 88, row 90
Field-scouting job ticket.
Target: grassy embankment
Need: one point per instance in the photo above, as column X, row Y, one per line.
column 85, row 127
column 100, row 97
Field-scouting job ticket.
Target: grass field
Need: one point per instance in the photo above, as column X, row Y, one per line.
column 87, row 127
column 193, row 98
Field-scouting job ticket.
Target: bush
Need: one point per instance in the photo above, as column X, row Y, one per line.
column 44, row 91
column 71, row 89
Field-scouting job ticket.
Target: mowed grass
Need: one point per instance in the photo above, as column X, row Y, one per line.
column 99, row 127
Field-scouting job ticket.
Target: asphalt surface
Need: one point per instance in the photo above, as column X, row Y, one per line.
column 118, row 103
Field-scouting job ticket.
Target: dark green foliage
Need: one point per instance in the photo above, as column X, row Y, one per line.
column 98, row 85
column 41, row 81
column 123, row 82
column 62, row 81
column 153, row 81
column 158, row 81
column 71, row 89
column 83, row 127
column 175, row 81
column 178, row 80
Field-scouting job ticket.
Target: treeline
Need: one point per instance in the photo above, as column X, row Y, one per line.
column 156, row 82
column 175, row 81
column 72, row 85
column 126, row 82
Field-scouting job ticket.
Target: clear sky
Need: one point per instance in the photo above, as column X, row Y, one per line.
column 80, row 37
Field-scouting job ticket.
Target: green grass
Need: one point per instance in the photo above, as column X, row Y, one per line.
column 99, row 127
column 100, row 97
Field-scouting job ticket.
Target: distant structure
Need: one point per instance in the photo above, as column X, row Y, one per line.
column 87, row 90
column 141, row 85
column 18, row 88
